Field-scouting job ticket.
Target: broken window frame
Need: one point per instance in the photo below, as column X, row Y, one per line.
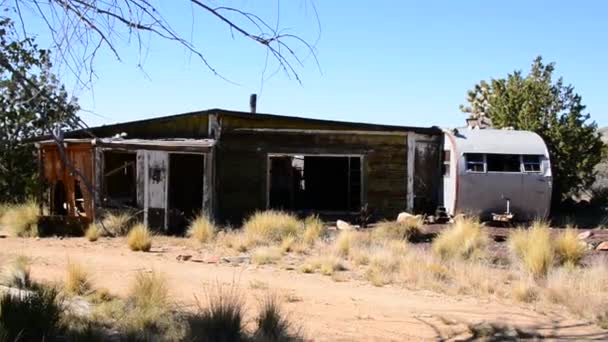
column 504, row 162
column 469, row 163
column 112, row 200
column 362, row 185
column 446, row 161
column 537, row 165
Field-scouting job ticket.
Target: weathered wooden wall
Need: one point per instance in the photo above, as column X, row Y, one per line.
column 241, row 169
column 190, row 126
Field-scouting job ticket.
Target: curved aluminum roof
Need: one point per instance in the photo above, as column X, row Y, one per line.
column 500, row 141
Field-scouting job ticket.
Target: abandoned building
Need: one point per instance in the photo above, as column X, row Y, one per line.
column 230, row 164
column 496, row 171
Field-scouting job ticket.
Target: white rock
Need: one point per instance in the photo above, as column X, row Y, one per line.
column 343, row 225
column 602, row 246
column 584, row 235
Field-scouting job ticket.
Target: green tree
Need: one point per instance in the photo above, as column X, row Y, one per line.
column 537, row 103
column 32, row 103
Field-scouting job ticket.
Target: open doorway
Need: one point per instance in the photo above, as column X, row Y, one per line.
column 315, row 183
column 186, row 186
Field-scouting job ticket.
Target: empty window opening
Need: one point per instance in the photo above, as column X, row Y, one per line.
column 446, row 164
column 120, row 179
column 186, row 186
column 315, row 183
column 503, row 163
column 475, row 162
column 531, row 163
column 79, row 200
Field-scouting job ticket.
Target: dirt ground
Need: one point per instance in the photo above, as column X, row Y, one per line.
column 326, row 310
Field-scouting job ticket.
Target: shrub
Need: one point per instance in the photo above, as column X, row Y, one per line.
column 465, row 239
column 271, row 226
column 325, row 265
column 344, row 242
column 533, row 249
column 393, row 230
column 140, row 238
column 201, row 229
column 568, row 248
column 92, row 234
column 272, row 324
column 221, row 319
column 266, row 255
column 21, row 220
column 288, row 243
column 117, row 223
column 314, row 229
column 29, row 317
column 18, row 273
column 149, row 290
column 77, row 280
column 384, row 262
column 525, row 292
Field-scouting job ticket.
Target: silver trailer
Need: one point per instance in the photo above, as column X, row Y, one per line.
column 496, row 174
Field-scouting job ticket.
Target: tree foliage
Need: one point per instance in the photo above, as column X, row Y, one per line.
column 32, row 103
column 537, row 103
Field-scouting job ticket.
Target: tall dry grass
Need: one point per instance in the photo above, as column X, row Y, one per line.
column 117, row 223
column 21, row 220
column 314, row 229
column 410, row 229
column 533, row 249
column 221, row 318
column 17, row 273
column 77, row 280
column 202, row 229
column 139, row 238
column 465, row 239
column 569, row 250
column 271, row 227
column 92, row 233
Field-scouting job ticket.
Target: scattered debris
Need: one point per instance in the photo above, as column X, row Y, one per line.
column 343, row 225
column 183, row 257
column 236, row 260
column 584, row 235
column 602, row 246
column 404, row 216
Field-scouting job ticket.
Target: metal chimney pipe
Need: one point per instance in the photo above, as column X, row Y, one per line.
column 253, row 103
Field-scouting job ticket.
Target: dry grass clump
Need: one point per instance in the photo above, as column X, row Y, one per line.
column 465, row 239
column 17, row 274
column 139, row 238
column 269, row 227
column 221, row 319
column 234, row 241
column 272, row 325
column 33, row 317
column 266, row 255
column 533, row 249
column 314, row 230
column 77, row 280
column 326, row 265
column 201, row 229
column 21, row 220
column 117, row 223
column 525, row 291
column 93, row 232
column 344, row 242
column 409, row 229
column 569, row 250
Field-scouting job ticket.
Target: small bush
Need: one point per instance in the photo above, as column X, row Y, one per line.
column 465, row 239
column 149, row 290
column 18, row 273
column 220, row 320
column 392, row 230
column 288, row 243
column 272, row 325
column 29, row 317
column 525, row 292
column 202, row 229
column 568, row 248
column 92, row 234
column 77, row 280
column 314, row 230
column 384, row 262
column 269, row 227
column 344, row 242
column 326, row 265
column 533, row 249
column 140, row 238
column 266, row 255
column 117, row 223
column 21, row 220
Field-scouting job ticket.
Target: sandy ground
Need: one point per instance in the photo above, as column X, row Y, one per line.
column 326, row 310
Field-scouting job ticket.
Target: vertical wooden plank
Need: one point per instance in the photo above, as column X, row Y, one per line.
column 157, row 186
column 411, row 155
column 363, row 187
column 208, row 185
column 141, row 178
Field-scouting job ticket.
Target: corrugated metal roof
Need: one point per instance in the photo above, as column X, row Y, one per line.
column 500, row 141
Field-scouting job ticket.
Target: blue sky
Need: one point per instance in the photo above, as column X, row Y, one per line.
column 394, row 62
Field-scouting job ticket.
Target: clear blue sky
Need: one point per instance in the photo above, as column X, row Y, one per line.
column 394, row 62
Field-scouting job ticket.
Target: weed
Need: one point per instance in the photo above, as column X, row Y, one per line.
column 77, row 280
column 21, row 220
column 258, row 285
column 272, row 325
column 568, row 248
column 201, row 229
column 314, row 229
column 29, row 317
column 344, row 242
column 18, row 273
column 271, row 226
column 525, row 292
column 410, row 230
column 465, row 239
column 140, row 238
column 533, row 249
column 266, row 255
column 221, row 319
column 288, row 243
column 92, row 234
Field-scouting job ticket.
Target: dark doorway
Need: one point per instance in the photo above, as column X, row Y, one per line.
column 186, row 183
column 315, row 183
column 58, row 199
column 120, row 179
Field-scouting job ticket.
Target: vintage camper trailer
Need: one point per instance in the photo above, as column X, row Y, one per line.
column 488, row 172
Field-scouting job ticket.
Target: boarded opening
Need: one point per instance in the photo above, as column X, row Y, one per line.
column 315, row 183
column 186, row 178
column 120, row 179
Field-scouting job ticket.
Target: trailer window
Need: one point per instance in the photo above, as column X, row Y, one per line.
column 531, row 163
column 475, row 162
column 503, row 163
column 446, row 163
